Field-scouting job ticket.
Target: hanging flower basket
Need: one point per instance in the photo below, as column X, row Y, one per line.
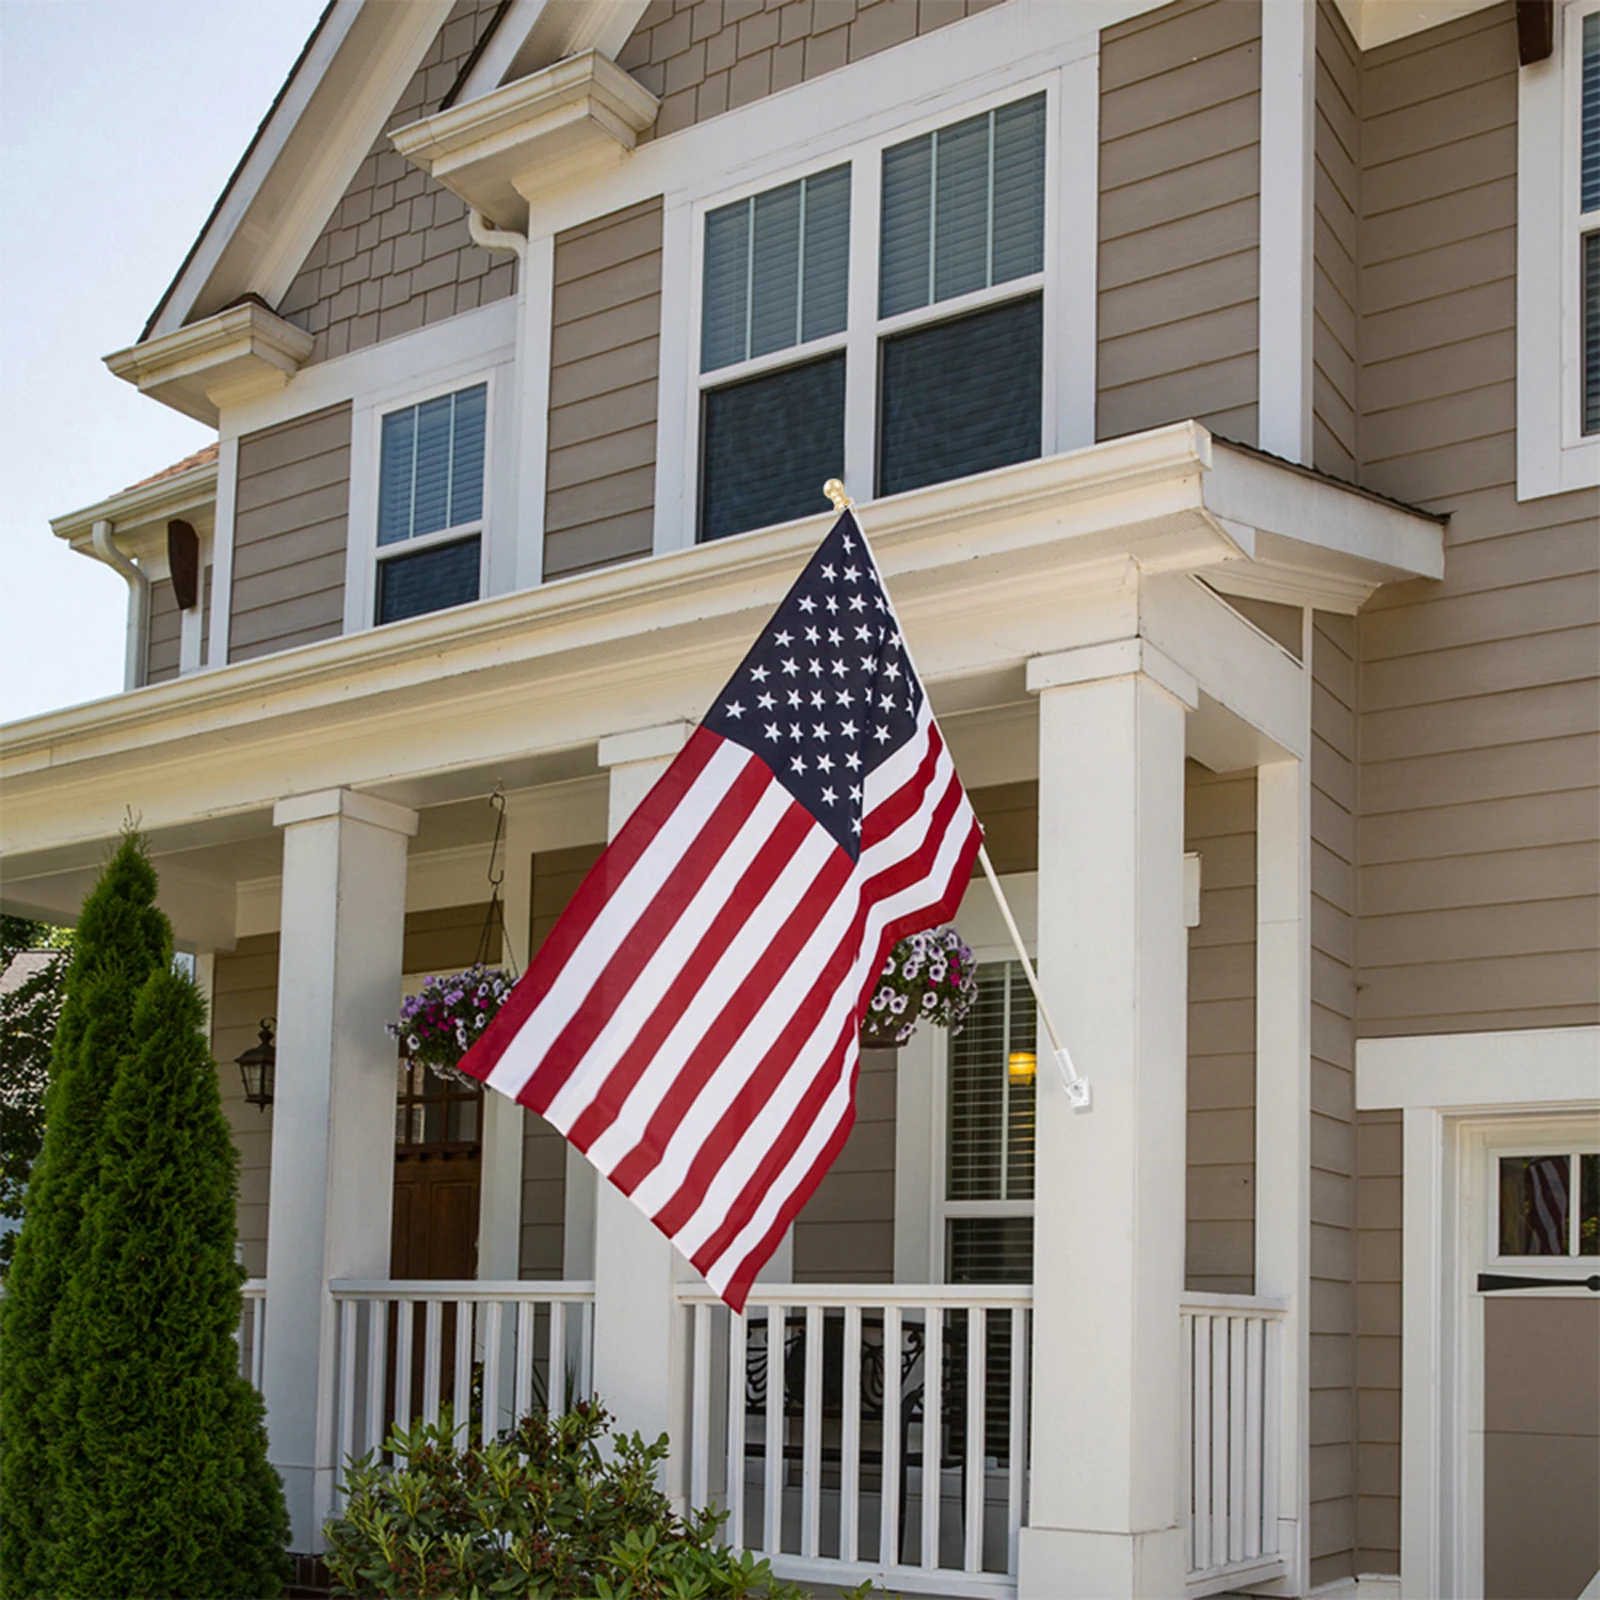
column 440, row 1023
column 930, row 977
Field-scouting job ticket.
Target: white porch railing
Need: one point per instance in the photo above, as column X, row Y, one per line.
column 490, row 1352
column 253, row 1330
column 1232, row 1416
column 809, row 1421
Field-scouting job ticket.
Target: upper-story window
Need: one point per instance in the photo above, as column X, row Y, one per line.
column 430, row 504
column 937, row 314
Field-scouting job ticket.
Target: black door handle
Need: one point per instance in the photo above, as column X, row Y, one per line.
column 1494, row 1280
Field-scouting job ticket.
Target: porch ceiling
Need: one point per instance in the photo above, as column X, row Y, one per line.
column 987, row 572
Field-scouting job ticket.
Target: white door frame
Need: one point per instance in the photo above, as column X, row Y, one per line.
column 1458, row 1092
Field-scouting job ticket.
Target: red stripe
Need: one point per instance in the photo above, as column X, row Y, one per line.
column 620, row 857
column 900, row 805
column 781, row 951
column 652, row 924
column 774, row 855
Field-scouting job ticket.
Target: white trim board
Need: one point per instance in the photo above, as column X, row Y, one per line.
column 1465, row 1071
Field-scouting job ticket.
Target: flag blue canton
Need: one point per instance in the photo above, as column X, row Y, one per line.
column 826, row 693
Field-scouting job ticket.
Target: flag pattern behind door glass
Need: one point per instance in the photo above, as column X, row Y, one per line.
column 690, row 1023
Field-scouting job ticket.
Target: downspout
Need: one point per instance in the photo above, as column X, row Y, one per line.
column 488, row 237
column 104, row 549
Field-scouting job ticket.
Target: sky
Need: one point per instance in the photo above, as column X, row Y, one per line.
column 120, row 121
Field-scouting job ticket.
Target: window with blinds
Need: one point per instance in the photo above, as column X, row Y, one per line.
column 1589, row 222
column 430, row 500
column 989, row 1123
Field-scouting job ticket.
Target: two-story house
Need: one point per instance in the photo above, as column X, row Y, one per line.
column 1219, row 383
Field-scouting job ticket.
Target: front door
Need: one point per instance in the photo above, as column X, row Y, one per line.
column 1535, row 1360
column 438, row 1162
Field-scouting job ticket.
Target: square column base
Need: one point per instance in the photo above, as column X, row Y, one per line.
column 1067, row 1564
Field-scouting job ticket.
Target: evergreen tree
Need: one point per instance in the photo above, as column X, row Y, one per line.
column 121, row 939
column 169, row 1492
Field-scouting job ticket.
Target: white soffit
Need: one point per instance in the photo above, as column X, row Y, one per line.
column 534, row 34
column 139, row 516
column 1375, row 22
column 332, row 110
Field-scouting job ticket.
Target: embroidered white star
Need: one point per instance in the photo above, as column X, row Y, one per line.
column 798, row 764
column 765, row 702
column 812, row 636
column 807, row 604
column 773, row 731
column 819, row 730
column 789, row 667
column 858, row 602
column 831, row 798
column 735, row 710
column 783, row 640
column 852, row 760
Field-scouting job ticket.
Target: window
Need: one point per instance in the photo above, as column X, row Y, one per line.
column 1549, row 1205
column 948, row 322
column 989, row 1123
column 1558, row 260
column 430, row 504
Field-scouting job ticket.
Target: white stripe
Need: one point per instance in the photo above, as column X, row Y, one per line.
column 688, row 1034
column 812, row 1056
column 665, row 967
column 586, row 963
column 759, row 1138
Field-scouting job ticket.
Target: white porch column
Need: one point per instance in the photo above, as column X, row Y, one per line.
column 339, row 967
column 1109, row 1187
column 637, row 1373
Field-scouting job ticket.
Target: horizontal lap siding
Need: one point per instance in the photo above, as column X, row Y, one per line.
column 1480, row 877
column 1334, row 292
column 162, row 640
column 604, row 369
column 556, row 875
column 290, row 524
column 396, row 255
column 704, row 57
column 1180, row 108
column 1333, row 1131
column 1220, row 825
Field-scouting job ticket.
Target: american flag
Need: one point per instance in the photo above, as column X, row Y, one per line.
column 690, row 1023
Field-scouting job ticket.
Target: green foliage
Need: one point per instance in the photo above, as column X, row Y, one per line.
column 121, row 939
column 543, row 1512
column 28, row 1017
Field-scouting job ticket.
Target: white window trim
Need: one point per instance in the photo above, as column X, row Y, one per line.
column 1553, row 456
column 364, row 553
column 865, row 329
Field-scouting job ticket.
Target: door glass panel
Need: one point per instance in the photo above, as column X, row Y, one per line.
column 1589, row 1205
column 1534, row 1205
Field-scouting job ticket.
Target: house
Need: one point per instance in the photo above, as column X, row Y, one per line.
column 1219, row 382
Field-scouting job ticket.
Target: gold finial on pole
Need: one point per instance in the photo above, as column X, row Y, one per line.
column 834, row 489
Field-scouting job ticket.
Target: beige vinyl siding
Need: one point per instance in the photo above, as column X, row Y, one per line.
column 704, row 57
column 205, row 615
column 447, row 939
column 1220, row 824
column 1480, row 876
column 244, row 989
column 845, row 1234
column 291, row 515
column 1180, row 109
column 395, row 255
column 162, row 639
column 605, row 342
column 1009, row 814
column 556, row 875
column 1334, row 291
column 1333, row 1155
column 1378, row 1258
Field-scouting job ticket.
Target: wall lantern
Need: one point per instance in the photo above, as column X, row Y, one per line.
column 1021, row 1066
column 258, row 1067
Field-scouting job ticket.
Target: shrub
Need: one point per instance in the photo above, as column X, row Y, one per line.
column 541, row 1512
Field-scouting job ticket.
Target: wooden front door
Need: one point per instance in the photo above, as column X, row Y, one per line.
column 438, row 1163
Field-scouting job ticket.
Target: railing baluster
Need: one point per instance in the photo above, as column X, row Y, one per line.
column 1186, row 1398
column 556, row 1397
column 405, row 1318
column 738, row 1356
column 1236, row 1413
column 492, row 1312
column 347, row 1387
column 377, row 1339
column 522, row 1361
column 811, row 1438
column 1255, row 1331
column 889, row 1477
column 1202, row 1443
column 1219, row 1440
column 586, row 1352
column 258, row 1341
column 461, row 1388
column 850, row 1438
column 772, row 1467
column 1271, row 1435
column 932, row 1429
column 977, row 1415
column 700, row 1410
column 1016, row 1437
column 432, row 1362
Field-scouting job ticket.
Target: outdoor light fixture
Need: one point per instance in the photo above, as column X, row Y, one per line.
column 1021, row 1066
column 258, row 1065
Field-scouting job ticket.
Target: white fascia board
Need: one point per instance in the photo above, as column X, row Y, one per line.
column 1508, row 1070
column 321, row 132
column 1377, row 22
column 138, row 515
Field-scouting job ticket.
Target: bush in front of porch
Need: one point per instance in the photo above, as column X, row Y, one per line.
column 542, row 1512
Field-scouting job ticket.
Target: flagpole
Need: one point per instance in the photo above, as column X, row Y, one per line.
column 1077, row 1087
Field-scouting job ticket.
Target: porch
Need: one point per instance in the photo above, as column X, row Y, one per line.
column 1088, row 1373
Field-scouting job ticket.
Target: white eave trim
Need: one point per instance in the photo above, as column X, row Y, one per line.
column 1377, row 22
column 534, row 135
column 183, row 494
column 235, row 355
